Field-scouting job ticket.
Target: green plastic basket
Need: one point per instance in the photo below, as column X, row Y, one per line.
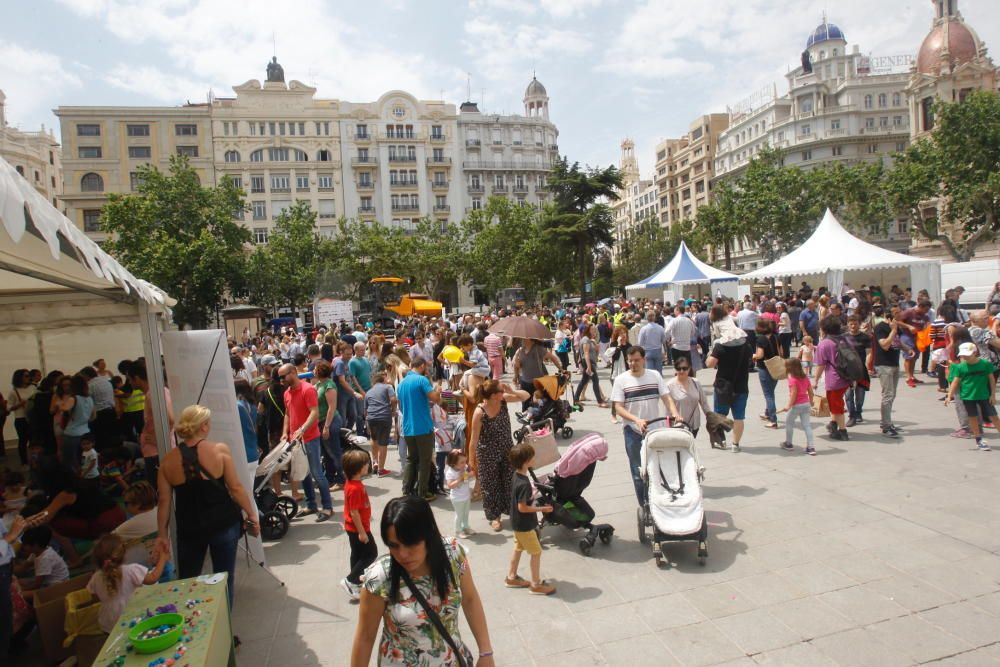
column 164, row 641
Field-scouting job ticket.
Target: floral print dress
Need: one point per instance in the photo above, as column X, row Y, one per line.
column 409, row 638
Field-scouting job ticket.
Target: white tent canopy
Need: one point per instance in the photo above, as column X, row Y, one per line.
column 683, row 269
column 63, row 301
column 833, row 251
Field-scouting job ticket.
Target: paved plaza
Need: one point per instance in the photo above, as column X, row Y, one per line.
column 874, row 552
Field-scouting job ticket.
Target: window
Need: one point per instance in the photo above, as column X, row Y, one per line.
column 366, row 203
column 257, row 155
column 302, row 129
column 232, row 156
column 806, row 130
column 699, row 187
column 477, row 203
column 327, row 208
column 280, row 183
column 300, row 155
column 872, row 148
column 868, row 101
column 259, row 233
column 838, row 151
column 137, row 130
column 189, row 151
column 437, row 155
column 88, row 130
column 896, row 99
column 89, row 152
column 256, row 184
column 270, row 127
column 139, row 152
column 323, row 155
column 806, row 104
column 186, row 130
column 869, row 123
column 365, row 179
column 259, row 210
column 883, row 100
column 900, row 146
column 225, row 128
column 897, row 121
column 135, row 180
column 253, row 129
column 883, row 121
column 835, row 124
column 302, row 183
column 360, row 131
column 237, row 182
column 806, row 156
column 277, row 154
column 437, row 132
column 326, row 181
column 440, row 202
column 92, row 220
column 92, row 183
column 927, row 113
column 281, row 129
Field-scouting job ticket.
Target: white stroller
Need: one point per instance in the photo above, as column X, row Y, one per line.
column 276, row 512
column 673, row 505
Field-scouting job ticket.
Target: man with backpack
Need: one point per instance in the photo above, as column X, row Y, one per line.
column 837, row 359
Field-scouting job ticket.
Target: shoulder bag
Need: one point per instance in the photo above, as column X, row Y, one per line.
column 435, row 620
column 775, row 364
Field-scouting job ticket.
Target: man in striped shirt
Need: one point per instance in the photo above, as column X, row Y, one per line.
column 638, row 396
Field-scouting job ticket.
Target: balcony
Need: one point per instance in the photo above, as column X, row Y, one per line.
column 521, row 189
column 499, row 189
column 439, row 185
column 405, row 207
column 553, row 147
column 366, row 210
column 367, row 185
column 402, row 158
column 325, row 187
column 362, row 136
column 438, row 161
column 508, row 166
column 325, row 216
column 518, row 143
column 405, row 136
column 473, row 142
column 476, row 189
column 470, row 209
column 403, row 183
column 540, row 189
column 437, row 138
column 281, row 190
column 364, row 161
column 299, row 188
column 443, row 208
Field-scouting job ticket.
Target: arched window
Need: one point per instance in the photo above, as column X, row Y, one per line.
column 232, row 156
column 883, row 100
column 868, row 101
column 836, row 53
column 300, row 156
column 822, row 55
column 257, row 155
column 896, row 99
column 323, row 155
column 92, row 183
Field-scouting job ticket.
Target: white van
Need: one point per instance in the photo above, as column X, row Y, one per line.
column 977, row 277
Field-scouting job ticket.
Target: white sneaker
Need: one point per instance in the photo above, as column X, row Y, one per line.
column 353, row 591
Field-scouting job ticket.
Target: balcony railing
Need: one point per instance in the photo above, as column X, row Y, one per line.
column 366, row 210
column 499, row 188
column 405, row 207
column 474, row 189
column 439, row 185
column 403, row 183
column 402, row 158
column 362, row 136
column 520, row 189
column 324, row 188
column 370, row 185
column 401, row 135
column 473, row 142
column 516, row 166
column 365, row 161
column 436, row 161
column 438, row 137
column 286, row 189
column 327, row 215
column 443, row 208
column 554, row 147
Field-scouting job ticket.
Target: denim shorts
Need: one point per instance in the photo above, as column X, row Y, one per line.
column 739, row 406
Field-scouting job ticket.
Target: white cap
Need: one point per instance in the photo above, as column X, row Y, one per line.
column 967, row 350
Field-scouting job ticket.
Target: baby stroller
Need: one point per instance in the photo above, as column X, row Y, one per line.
column 350, row 440
column 673, row 505
column 276, row 512
column 564, row 488
column 554, row 406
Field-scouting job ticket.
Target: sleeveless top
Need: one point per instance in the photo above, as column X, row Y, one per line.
column 204, row 506
column 532, row 363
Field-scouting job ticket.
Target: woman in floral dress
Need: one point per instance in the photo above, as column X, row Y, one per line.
column 491, row 438
column 438, row 568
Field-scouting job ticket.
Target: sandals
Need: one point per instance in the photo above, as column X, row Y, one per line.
column 496, row 525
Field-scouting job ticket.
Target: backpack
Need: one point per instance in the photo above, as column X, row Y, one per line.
column 847, row 361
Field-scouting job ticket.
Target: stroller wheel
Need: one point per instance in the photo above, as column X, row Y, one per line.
column 585, row 547
column 605, row 535
column 702, row 553
column 287, row 506
column 641, row 520
column 273, row 525
column 520, row 433
column 567, row 432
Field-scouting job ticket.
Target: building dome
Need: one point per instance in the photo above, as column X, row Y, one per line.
column 952, row 42
column 823, row 32
column 535, row 89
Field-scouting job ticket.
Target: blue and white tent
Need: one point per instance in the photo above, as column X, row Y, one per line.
column 683, row 269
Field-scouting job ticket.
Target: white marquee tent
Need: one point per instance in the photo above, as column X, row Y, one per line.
column 839, row 255
column 683, row 269
column 63, row 301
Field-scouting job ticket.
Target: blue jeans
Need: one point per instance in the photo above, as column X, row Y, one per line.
column 855, row 398
column 359, row 417
column 347, row 407
column 69, row 455
column 222, row 548
column 332, row 454
column 767, row 384
column 312, row 448
column 654, row 360
column 440, row 458
column 633, row 449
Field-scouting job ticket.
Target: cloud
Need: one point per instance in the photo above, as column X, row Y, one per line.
column 154, row 83
column 556, row 8
column 28, row 77
column 567, row 8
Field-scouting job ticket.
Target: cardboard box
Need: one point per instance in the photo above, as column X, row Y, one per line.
column 50, row 613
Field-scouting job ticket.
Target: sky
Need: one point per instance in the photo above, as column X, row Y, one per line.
column 612, row 68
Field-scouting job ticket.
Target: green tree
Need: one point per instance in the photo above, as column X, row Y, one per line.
column 579, row 219
column 293, row 256
column 641, row 252
column 180, row 236
column 359, row 252
column 958, row 165
column 436, row 257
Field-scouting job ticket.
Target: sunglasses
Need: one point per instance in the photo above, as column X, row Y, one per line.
column 683, row 368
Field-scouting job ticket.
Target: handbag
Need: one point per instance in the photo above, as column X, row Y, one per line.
column 435, row 620
column 776, row 367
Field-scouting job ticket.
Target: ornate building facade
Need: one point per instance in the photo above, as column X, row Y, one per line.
column 35, row 155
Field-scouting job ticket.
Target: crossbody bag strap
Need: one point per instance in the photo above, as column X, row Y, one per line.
column 434, row 618
column 274, row 402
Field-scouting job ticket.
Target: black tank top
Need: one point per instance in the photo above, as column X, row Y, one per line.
column 204, row 506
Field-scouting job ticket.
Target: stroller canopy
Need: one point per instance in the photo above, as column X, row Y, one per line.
column 581, row 454
column 550, row 385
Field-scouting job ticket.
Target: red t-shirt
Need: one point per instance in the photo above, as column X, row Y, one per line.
column 298, row 402
column 356, row 498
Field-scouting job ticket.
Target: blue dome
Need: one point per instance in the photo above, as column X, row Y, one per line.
column 824, row 32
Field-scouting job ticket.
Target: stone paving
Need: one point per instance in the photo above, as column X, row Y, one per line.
column 874, row 552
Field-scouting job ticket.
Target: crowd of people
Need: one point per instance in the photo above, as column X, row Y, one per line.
column 435, row 389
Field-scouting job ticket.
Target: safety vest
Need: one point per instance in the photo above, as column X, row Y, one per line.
column 617, row 317
column 134, row 402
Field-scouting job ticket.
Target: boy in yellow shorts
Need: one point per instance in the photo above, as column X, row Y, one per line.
column 524, row 521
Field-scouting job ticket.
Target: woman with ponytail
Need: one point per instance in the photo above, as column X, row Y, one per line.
column 114, row 582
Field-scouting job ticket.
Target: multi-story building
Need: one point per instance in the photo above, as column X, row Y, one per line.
column 35, row 155
column 397, row 159
column 509, row 156
column 622, row 208
column 685, row 168
column 841, row 106
column 952, row 62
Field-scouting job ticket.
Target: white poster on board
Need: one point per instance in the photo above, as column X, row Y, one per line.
column 197, row 364
column 331, row 311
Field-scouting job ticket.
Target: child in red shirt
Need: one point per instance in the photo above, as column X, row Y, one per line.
column 357, row 520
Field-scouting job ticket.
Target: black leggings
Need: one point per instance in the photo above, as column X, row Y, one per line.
column 362, row 555
column 591, row 377
column 23, row 436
